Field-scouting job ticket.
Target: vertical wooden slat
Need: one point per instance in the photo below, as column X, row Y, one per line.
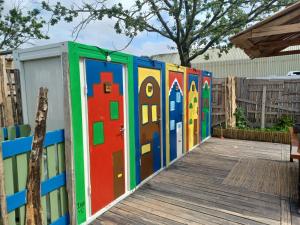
column 8, row 115
column 18, row 96
column 44, row 198
column 9, row 173
column 3, row 206
column 52, row 171
column 22, row 168
column 62, row 168
column 263, row 106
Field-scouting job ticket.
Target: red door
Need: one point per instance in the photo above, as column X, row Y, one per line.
column 106, row 132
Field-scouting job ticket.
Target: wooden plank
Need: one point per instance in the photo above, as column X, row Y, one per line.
column 276, row 30
column 62, row 168
column 192, row 190
column 52, row 171
column 18, row 96
column 3, row 87
column 285, row 213
column 43, row 178
column 3, row 207
column 10, row 171
column 22, row 168
column 268, row 105
column 263, row 107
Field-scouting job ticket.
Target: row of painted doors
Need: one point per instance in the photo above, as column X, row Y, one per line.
column 197, row 111
column 106, row 123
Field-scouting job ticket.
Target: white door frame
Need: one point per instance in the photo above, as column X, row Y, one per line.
column 84, row 108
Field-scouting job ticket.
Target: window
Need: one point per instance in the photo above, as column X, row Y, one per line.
column 172, row 105
column 145, row 116
column 98, row 133
column 154, row 113
column 172, row 124
column 178, row 97
column 149, row 90
column 114, row 110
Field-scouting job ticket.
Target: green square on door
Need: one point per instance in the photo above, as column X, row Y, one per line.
column 98, row 131
column 114, row 110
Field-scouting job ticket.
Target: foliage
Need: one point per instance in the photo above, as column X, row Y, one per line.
column 283, row 123
column 240, row 118
column 17, row 27
column 193, row 26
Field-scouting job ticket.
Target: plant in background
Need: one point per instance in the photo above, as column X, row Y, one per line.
column 18, row 26
column 283, row 123
column 240, row 118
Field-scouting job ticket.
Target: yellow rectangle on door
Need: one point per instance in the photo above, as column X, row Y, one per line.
column 146, row 148
column 154, row 113
column 145, row 117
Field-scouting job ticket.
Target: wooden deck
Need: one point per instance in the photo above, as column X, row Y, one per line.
column 221, row 182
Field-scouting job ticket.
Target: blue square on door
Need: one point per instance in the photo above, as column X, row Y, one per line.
column 172, row 124
column 172, row 106
column 178, row 97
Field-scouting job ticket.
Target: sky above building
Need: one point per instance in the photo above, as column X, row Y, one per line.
column 99, row 33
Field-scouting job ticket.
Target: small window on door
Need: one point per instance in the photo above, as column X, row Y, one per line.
column 178, row 97
column 98, row 133
column 154, row 113
column 172, row 106
column 114, row 110
column 145, row 114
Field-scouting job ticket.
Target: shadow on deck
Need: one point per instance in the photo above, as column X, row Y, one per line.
column 221, row 182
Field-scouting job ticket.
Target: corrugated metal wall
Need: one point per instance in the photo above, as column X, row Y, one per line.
column 264, row 67
column 237, row 63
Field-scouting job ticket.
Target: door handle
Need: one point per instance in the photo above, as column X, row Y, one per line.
column 122, row 130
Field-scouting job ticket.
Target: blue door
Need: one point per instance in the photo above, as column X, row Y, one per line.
column 176, row 114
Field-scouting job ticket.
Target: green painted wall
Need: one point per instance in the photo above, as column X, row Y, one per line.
column 77, row 51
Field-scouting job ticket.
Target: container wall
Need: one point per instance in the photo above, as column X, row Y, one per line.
column 44, row 73
column 42, row 67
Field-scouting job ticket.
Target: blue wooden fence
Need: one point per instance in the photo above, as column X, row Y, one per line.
column 15, row 154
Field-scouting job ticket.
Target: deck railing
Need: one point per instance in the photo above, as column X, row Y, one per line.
column 15, row 156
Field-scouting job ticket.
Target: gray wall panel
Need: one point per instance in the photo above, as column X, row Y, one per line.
column 46, row 72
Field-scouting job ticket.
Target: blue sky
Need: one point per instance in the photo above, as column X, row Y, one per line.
column 100, row 33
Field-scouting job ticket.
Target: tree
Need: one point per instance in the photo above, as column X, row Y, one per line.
column 17, row 27
column 194, row 26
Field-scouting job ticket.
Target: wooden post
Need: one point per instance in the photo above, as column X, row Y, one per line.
column 230, row 99
column 263, row 107
column 3, row 207
column 9, row 121
column 33, row 206
column 18, row 96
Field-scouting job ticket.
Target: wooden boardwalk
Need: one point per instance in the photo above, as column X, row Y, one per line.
column 217, row 183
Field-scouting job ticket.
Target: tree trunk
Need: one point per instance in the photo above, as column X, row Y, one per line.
column 184, row 55
column 33, row 206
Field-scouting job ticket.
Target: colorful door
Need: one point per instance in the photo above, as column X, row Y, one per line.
column 176, row 114
column 192, row 111
column 205, row 130
column 106, row 132
column 149, row 120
